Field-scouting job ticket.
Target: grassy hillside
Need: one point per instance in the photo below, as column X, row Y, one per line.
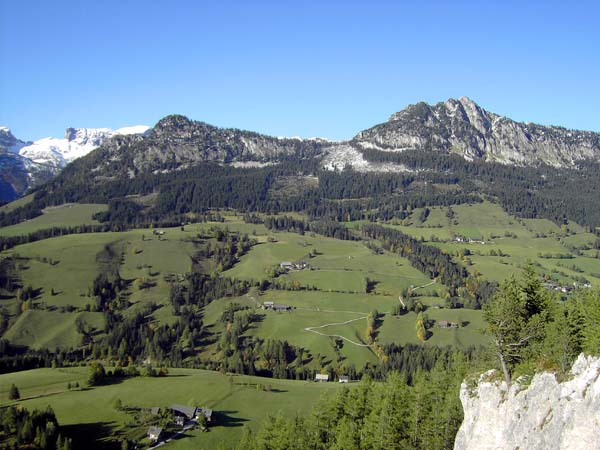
column 89, row 414
column 329, row 322
column 40, row 329
column 58, row 216
column 501, row 245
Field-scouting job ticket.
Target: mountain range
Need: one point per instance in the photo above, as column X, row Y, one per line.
column 456, row 126
column 25, row 164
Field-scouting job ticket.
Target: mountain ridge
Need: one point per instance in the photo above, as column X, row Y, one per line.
column 463, row 127
column 456, row 126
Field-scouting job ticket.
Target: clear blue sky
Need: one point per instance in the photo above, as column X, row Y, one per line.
column 292, row 68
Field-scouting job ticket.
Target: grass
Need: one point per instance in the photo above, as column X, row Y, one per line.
column 16, row 204
column 58, row 216
column 66, row 264
column 339, row 271
column 402, row 328
column 51, row 329
column 521, row 241
column 88, row 414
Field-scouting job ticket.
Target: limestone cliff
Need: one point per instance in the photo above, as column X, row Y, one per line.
column 544, row 415
column 463, row 127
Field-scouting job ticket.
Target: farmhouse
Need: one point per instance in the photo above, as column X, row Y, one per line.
column 281, row 308
column 288, row 265
column 207, row 413
column 187, row 412
column 321, row 377
column 154, row 433
column 190, row 413
column 344, row 379
column 155, row 410
column 447, row 324
column 276, row 307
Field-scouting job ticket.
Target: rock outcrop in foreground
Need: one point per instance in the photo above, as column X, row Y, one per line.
column 545, row 415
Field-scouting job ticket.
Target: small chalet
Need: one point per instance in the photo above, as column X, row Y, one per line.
column 154, row 433
column 344, row 379
column 207, row 413
column 187, row 412
column 190, row 413
column 276, row 307
column 281, row 308
column 322, row 377
column 287, row 265
column 447, row 324
column 155, row 410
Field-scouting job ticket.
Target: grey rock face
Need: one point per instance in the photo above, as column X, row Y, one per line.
column 177, row 142
column 462, row 127
column 545, row 415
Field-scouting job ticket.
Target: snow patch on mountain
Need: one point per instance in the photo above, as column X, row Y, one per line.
column 345, row 155
column 77, row 142
column 27, row 164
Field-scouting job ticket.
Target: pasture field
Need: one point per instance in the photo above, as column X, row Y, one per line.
column 329, row 303
column 344, row 281
column 501, row 245
column 39, row 329
column 16, row 204
column 57, row 216
column 402, row 328
column 89, row 414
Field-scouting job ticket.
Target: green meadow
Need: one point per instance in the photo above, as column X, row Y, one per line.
column 56, row 216
column 88, row 414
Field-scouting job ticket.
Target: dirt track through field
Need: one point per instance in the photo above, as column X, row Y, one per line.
column 314, row 330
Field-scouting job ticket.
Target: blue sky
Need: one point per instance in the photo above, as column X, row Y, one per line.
column 292, row 68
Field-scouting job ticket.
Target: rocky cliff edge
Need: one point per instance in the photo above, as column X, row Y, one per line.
column 545, row 415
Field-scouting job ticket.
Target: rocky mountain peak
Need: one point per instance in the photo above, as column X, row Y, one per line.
column 173, row 124
column 9, row 142
column 87, row 136
column 463, row 127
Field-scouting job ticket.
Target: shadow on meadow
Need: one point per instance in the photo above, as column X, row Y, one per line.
column 92, row 436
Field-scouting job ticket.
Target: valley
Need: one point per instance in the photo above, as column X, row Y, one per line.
column 224, row 269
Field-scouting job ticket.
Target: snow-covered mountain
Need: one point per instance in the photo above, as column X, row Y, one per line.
column 24, row 164
column 77, row 142
column 10, row 143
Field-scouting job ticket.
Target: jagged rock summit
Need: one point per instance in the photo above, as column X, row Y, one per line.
column 463, row 127
column 545, row 415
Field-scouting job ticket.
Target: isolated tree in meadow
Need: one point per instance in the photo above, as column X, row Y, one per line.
column 97, row 374
column 13, row 393
column 420, row 327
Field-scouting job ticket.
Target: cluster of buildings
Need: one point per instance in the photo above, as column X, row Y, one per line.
column 288, row 265
column 565, row 289
column 468, row 240
column 276, row 307
column 181, row 415
column 324, row 378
